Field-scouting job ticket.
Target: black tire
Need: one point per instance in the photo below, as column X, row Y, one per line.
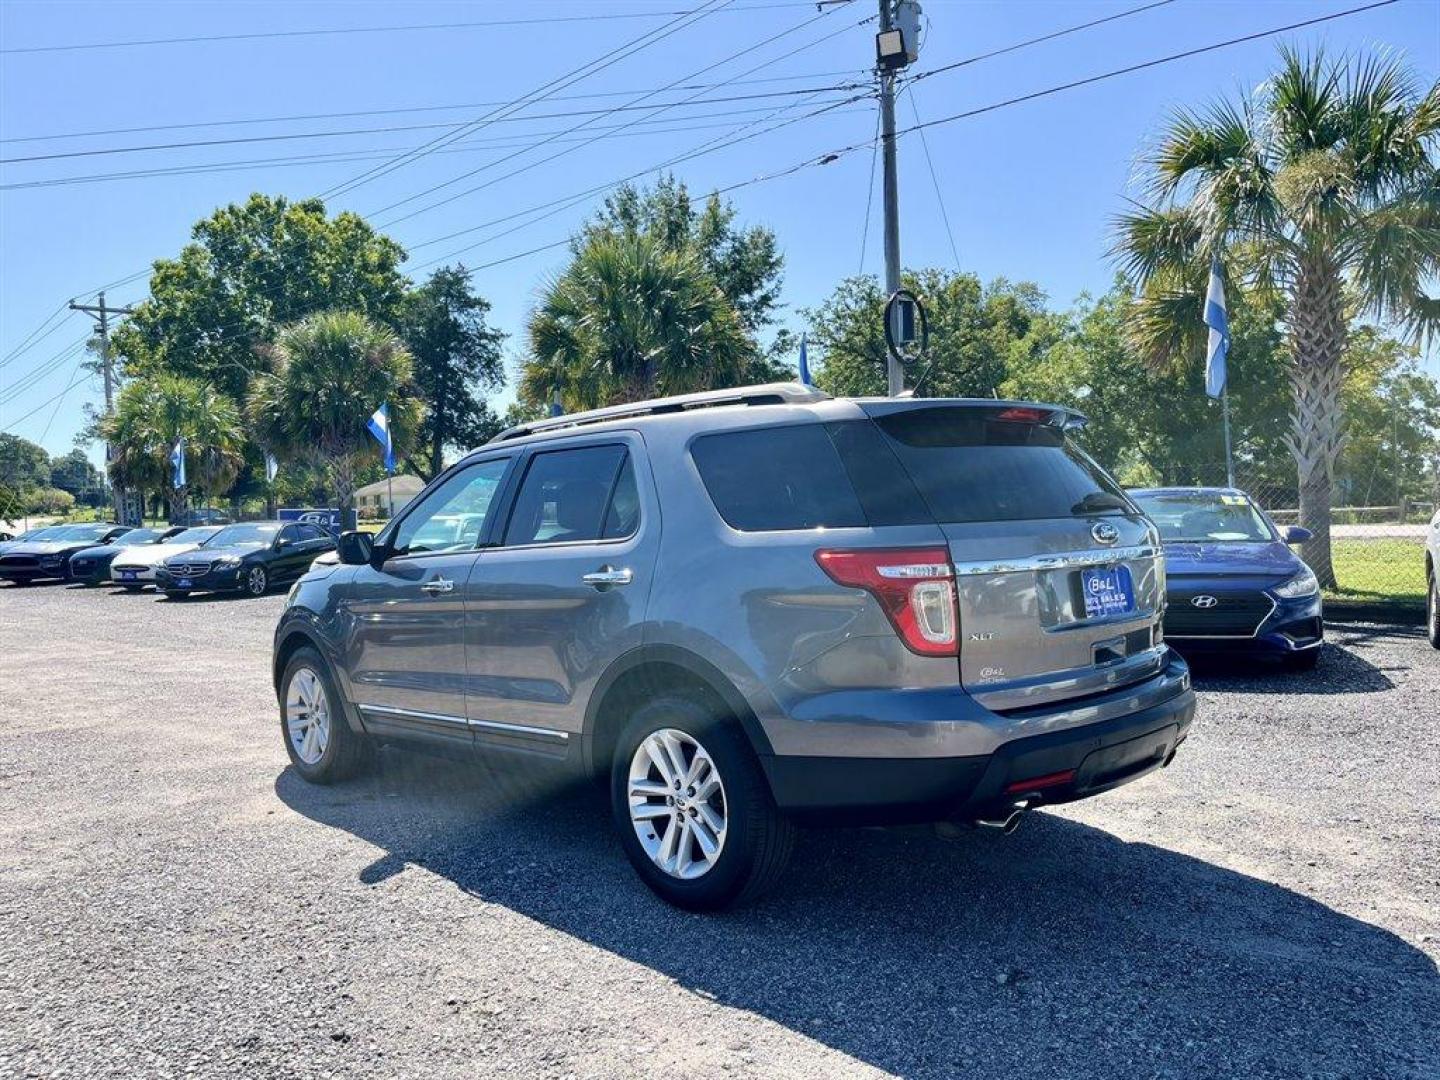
column 758, row 838
column 257, row 581
column 1304, row 661
column 1432, row 623
column 346, row 752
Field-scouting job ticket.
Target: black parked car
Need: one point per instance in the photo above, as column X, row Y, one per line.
column 48, row 555
column 92, row 565
column 250, row 557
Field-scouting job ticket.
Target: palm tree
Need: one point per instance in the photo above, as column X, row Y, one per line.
column 330, row 373
column 630, row 319
column 151, row 414
column 1321, row 190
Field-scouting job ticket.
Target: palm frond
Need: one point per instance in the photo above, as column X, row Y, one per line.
column 1148, row 242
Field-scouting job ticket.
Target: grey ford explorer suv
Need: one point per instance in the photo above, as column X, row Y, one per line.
column 753, row 608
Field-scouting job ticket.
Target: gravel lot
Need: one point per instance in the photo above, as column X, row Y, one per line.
column 174, row 900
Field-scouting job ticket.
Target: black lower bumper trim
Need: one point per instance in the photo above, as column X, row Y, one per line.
column 1101, row 756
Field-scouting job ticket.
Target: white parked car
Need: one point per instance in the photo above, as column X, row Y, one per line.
column 135, row 569
column 1432, row 578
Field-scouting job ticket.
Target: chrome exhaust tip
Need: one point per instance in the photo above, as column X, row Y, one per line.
column 1007, row 824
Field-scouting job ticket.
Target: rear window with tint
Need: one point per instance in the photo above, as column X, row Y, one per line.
column 970, row 465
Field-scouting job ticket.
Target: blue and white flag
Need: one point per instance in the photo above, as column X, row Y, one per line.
column 177, row 463
column 805, row 360
column 379, row 426
column 272, row 468
column 1219, row 344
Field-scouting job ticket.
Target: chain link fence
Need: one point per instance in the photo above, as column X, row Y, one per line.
column 1377, row 546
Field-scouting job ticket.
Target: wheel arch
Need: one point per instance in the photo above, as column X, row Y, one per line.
column 645, row 672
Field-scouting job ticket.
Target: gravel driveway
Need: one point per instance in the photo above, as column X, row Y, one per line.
column 174, row 900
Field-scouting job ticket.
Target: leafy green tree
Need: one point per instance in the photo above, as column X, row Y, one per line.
column 1154, row 423
column 746, row 264
column 250, row 269
column 457, row 361
column 1392, row 417
column 151, row 414
column 49, row 500
column 326, row 376
column 1325, row 178
column 23, row 464
column 73, row 472
column 629, row 319
column 973, row 329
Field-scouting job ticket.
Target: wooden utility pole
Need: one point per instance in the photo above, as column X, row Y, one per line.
column 102, row 315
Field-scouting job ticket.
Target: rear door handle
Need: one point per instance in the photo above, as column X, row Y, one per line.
column 438, row 585
column 609, row 575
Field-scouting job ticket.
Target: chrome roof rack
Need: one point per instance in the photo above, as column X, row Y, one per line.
column 783, row 393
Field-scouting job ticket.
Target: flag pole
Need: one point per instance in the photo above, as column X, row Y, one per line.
column 1229, row 459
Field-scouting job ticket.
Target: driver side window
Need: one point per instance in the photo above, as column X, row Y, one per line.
column 452, row 517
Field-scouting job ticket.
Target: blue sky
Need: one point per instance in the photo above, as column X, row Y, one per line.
column 1029, row 189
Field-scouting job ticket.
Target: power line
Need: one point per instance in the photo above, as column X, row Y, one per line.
column 543, row 161
column 50, row 400
column 848, row 73
column 832, row 155
column 562, row 82
column 35, row 336
column 357, row 154
column 272, row 34
column 1054, row 34
column 38, row 374
column 337, row 133
column 869, row 194
column 934, row 178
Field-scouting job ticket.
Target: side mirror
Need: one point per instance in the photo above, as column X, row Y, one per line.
column 356, row 548
column 1294, row 534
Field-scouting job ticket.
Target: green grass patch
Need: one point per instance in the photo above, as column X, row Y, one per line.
column 1389, row 570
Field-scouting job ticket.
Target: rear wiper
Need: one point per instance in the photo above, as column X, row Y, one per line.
column 1098, row 502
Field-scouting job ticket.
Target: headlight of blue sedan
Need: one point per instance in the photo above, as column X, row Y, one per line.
column 1302, row 584
column 51, row 560
column 228, row 562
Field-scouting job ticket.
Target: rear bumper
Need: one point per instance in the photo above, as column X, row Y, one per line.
column 1078, row 761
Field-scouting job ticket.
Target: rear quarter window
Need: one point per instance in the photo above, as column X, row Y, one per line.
column 777, row 478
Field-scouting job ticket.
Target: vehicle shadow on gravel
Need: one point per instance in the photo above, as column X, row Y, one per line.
column 1340, row 670
column 1061, row 950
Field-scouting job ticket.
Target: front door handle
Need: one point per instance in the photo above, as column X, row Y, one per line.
column 438, row 585
column 609, row 575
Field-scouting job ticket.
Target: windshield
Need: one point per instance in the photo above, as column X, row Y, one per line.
column 137, row 536
column 192, row 536
column 1205, row 517
column 251, row 535
column 81, row 532
column 980, row 464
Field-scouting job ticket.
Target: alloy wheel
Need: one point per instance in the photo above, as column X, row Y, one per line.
column 255, row 581
column 307, row 716
column 677, row 803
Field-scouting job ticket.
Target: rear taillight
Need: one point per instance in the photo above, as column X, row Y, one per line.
column 915, row 586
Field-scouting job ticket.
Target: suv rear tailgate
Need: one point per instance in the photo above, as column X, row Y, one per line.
column 1033, row 525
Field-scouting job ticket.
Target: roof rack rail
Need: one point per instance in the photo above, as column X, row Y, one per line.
column 783, row 393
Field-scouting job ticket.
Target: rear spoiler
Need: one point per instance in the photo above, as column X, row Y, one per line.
column 1025, row 412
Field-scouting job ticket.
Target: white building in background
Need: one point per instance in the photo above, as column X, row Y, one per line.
column 375, row 498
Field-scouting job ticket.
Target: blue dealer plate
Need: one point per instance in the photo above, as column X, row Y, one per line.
column 1107, row 592
column 183, row 583
column 127, row 575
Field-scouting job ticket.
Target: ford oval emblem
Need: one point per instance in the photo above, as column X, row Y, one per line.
column 1203, row 601
column 1104, row 532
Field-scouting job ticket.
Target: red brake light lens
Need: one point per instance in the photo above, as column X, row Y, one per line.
column 1021, row 414
column 915, row 587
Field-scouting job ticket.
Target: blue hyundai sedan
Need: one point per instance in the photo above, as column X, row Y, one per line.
column 1233, row 584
